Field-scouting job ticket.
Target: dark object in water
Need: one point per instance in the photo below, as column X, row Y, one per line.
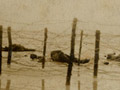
column 106, row 63
column 33, row 56
column 25, row 55
column 17, row 47
column 59, row 56
column 84, row 61
column 40, row 58
column 113, row 57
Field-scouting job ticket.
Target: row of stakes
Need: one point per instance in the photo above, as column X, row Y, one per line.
column 69, row 71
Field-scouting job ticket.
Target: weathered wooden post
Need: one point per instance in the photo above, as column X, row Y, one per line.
column 79, row 57
column 1, row 49
column 44, row 48
column 96, row 58
column 69, row 72
column 10, row 46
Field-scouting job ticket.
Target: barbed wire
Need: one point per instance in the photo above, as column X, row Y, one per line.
column 37, row 22
column 97, row 23
column 62, row 44
column 58, row 21
column 32, row 38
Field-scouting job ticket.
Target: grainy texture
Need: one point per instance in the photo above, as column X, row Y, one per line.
column 28, row 18
column 1, row 31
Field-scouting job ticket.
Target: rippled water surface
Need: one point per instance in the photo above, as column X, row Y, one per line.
column 25, row 74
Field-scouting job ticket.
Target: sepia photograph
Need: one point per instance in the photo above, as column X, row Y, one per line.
column 59, row 45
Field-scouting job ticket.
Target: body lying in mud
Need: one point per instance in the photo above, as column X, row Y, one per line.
column 17, row 48
column 59, row 56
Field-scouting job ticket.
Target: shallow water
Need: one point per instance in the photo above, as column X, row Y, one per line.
column 25, row 74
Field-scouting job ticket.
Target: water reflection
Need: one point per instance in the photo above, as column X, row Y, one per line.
column 78, row 71
column 95, row 84
column 78, row 85
column 7, row 85
column 43, row 84
column 67, row 87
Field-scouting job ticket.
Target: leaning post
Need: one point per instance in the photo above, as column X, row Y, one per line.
column 44, row 48
column 69, row 71
column 79, row 56
column 10, row 46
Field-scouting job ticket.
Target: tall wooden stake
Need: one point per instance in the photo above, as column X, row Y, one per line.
column 10, row 46
column 1, row 49
column 97, row 44
column 44, row 51
column 79, row 57
column 69, row 72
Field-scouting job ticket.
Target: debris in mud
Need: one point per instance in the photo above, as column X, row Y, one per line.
column 106, row 63
column 113, row 56
column 84, row 61
column 34, row 56
column 17, row 47
column 25, row 55
column 59, row 56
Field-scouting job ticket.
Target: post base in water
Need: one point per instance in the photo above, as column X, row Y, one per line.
column 9, row 66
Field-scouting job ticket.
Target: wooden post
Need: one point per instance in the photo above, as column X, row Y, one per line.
column 79, row 57
column 1, row 49
column 69, row 72
column 10, row 46
column 43, row 84
column 44, row 51
column 96, row 58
